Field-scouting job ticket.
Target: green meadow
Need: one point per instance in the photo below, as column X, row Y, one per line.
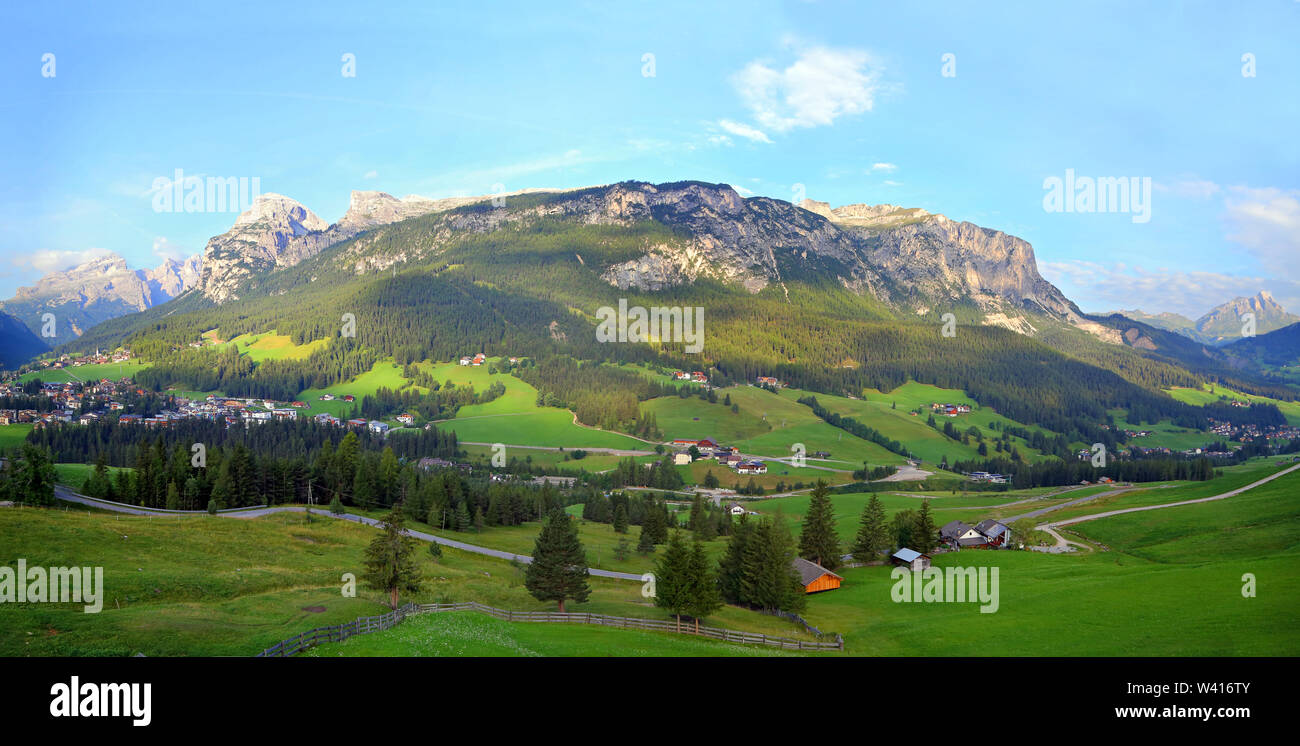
column 272, row 346
column 1209, row 393
column 13, row 436
column 382, row 375
column 93, row 372
column 470, row 633
column 206, row 585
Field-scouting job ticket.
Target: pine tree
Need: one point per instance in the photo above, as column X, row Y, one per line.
column 873, row 535
column 644, row 545
column 336, row 506
column 559, row 567
column 817, row 541
column 704, row 597
column 620, row 519
column 389, row 562
column 697, row 512
column 925, row 535
column 731, row 568
column 673, row 585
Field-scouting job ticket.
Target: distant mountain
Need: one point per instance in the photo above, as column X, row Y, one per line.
column 17, row 343
column 1223, row 324
column 1173, row 322
column 97, row 290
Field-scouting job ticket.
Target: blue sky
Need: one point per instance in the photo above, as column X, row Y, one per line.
column 847, row 101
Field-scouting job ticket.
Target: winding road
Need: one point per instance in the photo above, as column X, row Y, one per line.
column 68, row 495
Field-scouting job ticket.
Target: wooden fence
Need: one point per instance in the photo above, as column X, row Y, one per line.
column 367, row 624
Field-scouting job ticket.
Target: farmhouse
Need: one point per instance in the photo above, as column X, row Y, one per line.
column 768, row 381
column 375, row 426
column 735, row 509
column 911, row 559
column 994, row 532
column 814, row 577
column 356, row 422
column 958, row 534
column 751, row 467
column 406, row 418
column 681, row 458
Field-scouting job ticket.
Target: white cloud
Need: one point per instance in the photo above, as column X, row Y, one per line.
column 820, row 86
column 1267, row 222
column 744, row 130
column 165, row 249
column 891, row 182
column 49, row 260
column 886, row 167
column 371, row 174
column 1103, row 287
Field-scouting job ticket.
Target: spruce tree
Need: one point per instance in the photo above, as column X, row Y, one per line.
column 704, row 596
column 873, row 534
column 925, row 535
column 620, row 519
column 559, row 567
column 731, row 568
column 389, row 562
column 643, row 543
column 817, row 541
column 673, row 585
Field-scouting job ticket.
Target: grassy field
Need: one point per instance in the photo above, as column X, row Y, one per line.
column 889, row 413
column 74, row 475
column 228, row 586
column 272, row 346
column 599, row 539
column 777, row 473
column 1211, row 392
column 112, row 371
column 514, row 417
column 382, row 375
column 592, row 462
column 1171, row 585
column 766, row 425
column 469, row 633
column 971, row 508
column 13, row 436
column 1164, row 434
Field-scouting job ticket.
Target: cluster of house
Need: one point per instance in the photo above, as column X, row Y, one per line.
column 768, row 381
column 70, row 361
column 708, row 448
column 1252, row 431
column 476, row 360
column 950, row 410
column 694, row 376
column 984, row 476
column 67, row 399
column 987, row 534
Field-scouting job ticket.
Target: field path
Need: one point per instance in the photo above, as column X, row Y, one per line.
column 65, row 494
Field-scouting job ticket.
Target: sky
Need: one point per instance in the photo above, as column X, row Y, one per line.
column 980, row 111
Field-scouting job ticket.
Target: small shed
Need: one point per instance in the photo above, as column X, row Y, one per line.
column 911, row 559
column 814, row 577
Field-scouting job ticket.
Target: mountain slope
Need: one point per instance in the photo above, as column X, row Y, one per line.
column 17, row 343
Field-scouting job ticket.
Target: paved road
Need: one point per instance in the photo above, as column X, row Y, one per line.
column 1222, row 496
column 1066, row 504
column 65, row 494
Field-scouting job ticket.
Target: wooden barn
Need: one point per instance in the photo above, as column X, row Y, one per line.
column 911, row 559
column 814, row 577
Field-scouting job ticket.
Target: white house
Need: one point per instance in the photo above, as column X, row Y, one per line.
column 375, row 426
